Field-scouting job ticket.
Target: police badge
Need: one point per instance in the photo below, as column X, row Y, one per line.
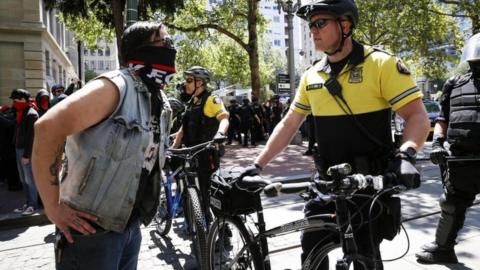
column 356, row 75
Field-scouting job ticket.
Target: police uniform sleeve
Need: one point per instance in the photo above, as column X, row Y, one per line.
column 301, row 104
column 214, row 107
column 396, row 83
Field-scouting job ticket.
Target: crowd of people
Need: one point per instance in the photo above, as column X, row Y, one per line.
column 113, row 155
column 16, row 141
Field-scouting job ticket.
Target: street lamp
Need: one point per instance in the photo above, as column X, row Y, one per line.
column 289, row 8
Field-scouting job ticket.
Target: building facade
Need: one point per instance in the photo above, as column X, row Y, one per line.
column 101, row 59
column 35, row 48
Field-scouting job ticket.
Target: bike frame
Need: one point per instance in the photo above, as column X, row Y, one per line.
column 342, row 227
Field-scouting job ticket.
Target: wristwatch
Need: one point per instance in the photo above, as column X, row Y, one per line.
column 410, row 153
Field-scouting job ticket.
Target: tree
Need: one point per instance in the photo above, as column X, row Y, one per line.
column 236, row 19
column 226, row 59
column 105, row 14
column 90, row 74
column 410, row 29
column 468, row 9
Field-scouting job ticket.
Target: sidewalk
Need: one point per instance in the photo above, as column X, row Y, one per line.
column 236, row 155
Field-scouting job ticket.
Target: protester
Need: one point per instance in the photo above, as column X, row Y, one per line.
column 115, row 129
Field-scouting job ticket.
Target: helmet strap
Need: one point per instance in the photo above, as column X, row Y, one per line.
column 344, row 37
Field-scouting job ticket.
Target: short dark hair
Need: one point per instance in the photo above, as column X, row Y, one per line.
column 137, row 35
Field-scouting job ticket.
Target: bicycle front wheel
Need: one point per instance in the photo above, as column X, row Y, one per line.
column 318, row 259
column 197, row 226
column 163, row 218
column 226, row 239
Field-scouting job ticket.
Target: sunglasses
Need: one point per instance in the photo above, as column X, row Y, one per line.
column 189, row 80
column 319, row 24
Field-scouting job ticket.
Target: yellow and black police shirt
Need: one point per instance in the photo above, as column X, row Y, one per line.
column 213, row 106
column 373, row 82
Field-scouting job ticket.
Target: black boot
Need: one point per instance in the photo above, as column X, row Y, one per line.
column 442, row 250
column 433, row 253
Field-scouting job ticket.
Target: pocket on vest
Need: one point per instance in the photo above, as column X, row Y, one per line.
column 124, row 139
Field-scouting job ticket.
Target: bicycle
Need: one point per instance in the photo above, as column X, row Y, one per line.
column 181, row 186
column 241, row 249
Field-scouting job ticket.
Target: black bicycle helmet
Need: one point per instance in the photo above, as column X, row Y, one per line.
column 176, row 105
column 198, row 72
column 336, row 7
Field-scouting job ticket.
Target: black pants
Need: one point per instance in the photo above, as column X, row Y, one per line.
column 361, row 233
column 248, row 132
column 461, row 185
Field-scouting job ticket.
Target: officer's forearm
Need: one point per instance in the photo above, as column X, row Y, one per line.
column 415, row 132
column 223, row 126
column 178, row 139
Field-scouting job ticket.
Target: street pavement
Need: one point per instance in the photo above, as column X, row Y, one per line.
column 32, row 248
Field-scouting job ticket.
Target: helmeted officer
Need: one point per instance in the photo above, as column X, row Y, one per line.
column 205, row 118
column 351, row 93
column 247, row 119
column 459, row 124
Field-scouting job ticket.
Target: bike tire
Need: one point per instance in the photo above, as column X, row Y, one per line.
column 197, row 226
column 222, row 249
column 163, row 217
column 319, row 254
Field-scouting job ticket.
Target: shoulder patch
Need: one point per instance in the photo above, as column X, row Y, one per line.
column 402, row 68
column 217, row 100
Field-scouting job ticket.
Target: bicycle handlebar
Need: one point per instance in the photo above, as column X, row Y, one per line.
column 348, row 183
column 252, row 182
column 189, row 150
column 462, row 158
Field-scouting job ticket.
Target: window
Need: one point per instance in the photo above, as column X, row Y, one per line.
column 276, row 42
column 64, row 77
column 86, row 65
column 100, row 52
column 100, row 65
column 276, row 18
column 60, row 72
column 107, row 51
column 92, row 64
column 108, row 65
column 54, row 70
column 47, row 62
column 85, row 51
column 93, row 52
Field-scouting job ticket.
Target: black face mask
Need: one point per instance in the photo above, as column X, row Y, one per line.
column 475, row 68
column 183, row 95
column 156, row 65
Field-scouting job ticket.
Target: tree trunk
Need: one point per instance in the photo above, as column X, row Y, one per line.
column 117, row 10
column 253, row 47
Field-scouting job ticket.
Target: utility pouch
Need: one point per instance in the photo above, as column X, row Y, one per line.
column 391, row 217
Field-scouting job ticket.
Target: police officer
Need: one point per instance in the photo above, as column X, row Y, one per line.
column 350, row 94
column 204, row 119
column 459, row 124
column 258, row 123
column 234, row 122
column 247, row 119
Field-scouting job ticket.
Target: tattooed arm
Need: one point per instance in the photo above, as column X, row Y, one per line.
column 81, row 110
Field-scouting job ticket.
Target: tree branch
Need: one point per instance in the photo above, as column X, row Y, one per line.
column 447, row 14
column 211, row 26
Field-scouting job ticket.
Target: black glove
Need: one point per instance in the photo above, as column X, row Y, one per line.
column 219, row 137
column 439, row 153
column 250, row 170
column 405, row 172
